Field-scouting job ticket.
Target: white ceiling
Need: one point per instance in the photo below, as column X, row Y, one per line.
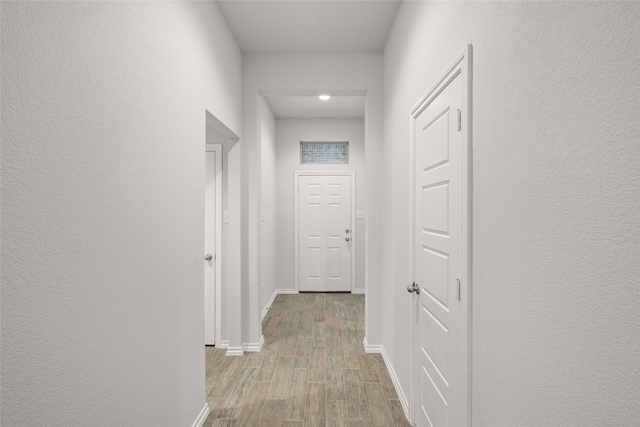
column 310, row 26
column 311, row 107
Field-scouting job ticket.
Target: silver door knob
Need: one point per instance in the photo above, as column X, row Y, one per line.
column 208, row 257
column 413, row 288
column 347, row 239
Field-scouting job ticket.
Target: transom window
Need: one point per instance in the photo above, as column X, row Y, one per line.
column 312, row 152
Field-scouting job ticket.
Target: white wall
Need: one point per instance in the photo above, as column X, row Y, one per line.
column 555, row 199
column 289, row 74
column 289, row 134
column 268, row 202
column 103, row 133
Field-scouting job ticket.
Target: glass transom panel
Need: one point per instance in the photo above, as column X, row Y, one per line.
column 324, row 152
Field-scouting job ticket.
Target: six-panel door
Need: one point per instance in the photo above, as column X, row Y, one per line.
column 325, row 234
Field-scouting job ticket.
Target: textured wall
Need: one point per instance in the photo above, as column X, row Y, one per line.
column 290, row 132
column 555, row 199
column 103, row 132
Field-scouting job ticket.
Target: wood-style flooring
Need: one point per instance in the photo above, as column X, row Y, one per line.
column 312, row 371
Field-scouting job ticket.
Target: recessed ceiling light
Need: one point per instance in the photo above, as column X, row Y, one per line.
column 325, row 97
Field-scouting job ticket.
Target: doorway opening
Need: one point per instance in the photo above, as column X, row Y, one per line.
column 221, row 196
column 322, row 139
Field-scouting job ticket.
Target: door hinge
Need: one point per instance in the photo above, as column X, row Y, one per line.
column 458, row 289
column 459, row 120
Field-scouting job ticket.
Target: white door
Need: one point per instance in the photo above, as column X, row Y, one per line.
column 210, row 248
column 325, row 235
column 440, row 331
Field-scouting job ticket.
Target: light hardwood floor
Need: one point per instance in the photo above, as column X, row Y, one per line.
column 312, row 371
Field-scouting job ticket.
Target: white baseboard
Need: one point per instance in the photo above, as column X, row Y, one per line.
column 254, row 348
column 224, row 344
column 358, row 291
column 369, row 348
column 235, row 351
column 396, row 383
column 286, row 291
column 268, row 306
column 202, row 417
column 246, row 347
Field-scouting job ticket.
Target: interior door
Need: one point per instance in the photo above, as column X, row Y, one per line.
column 210, row 248
column 440, row 334
column 325, row 235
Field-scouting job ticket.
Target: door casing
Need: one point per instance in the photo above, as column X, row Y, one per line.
column 217, row 148
column 462, row 65
column 352, row 180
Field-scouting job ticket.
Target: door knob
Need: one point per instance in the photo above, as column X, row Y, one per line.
column 208, row 257
column 347, row 239
column 413, row 288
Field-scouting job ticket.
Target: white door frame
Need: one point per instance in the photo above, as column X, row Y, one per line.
column 461, row 66
column 352, row 218
column 217, row 148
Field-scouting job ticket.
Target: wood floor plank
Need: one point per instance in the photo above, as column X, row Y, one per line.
column 367, row 368
column 355, row 331
column 386, row 382
column 272, row 413
column 288, row 346
column 236, row 397
column 209, row 421
column 317, row 367
column 224, row 422
column 227, row 368
column 320, row 299
column 267, row 367
column 397, row 413
column 304, row 353
column 355, row 395
column 216, row 406
column 318, row 334
column 253, row 404
column 211, row 355
column 305, row 326
column 334, row 379
column 379, row 412
column 332, row 343
column 359, row 423
column 292, row 423
column 350, row 356
column 281, row 377
column 343, row 327
column 360, row 312
column 352, row 313
column 253, row 360
column 295, row 404
column 315, row 415
column 330, row 315
column 336, row 413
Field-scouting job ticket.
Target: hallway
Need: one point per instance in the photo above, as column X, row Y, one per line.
column 312, row 371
